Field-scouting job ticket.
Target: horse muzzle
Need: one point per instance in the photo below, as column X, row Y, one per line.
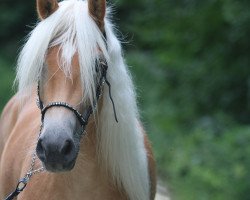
column 57, row 152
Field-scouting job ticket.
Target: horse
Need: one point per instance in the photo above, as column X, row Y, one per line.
column 72, row 130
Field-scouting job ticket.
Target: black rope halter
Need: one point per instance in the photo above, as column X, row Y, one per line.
column 101, row 68
column 82, row 118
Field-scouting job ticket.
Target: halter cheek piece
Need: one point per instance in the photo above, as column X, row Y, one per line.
column 82, row 118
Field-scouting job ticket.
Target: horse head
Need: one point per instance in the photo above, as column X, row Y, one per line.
column 62, row 80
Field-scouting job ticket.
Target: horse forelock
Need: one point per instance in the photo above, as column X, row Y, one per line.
column 74, row 31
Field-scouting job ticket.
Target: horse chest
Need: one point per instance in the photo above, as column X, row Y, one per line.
column 88, row 185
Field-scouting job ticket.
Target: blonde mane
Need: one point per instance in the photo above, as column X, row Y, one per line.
column 121, row 145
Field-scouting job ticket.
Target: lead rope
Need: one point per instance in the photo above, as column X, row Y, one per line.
column 22, row 183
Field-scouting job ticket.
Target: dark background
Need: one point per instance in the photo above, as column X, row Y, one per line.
column 190, row 62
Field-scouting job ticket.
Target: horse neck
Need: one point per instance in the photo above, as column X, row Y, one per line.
column 88, row 147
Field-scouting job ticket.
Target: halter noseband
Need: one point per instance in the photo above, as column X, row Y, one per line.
column 82, row 118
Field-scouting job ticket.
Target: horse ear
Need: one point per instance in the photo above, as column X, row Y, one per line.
column 97, row 10
column 46, row 7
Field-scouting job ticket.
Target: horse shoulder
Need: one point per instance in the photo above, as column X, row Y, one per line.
column 8, row 120
column 151, row 166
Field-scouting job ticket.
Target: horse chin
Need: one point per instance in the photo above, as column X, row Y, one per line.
column 59, row 168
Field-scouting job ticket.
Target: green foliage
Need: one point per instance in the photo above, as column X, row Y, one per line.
column 190, row 60
column 192, row 67
column 14, row 16
column 6, row 77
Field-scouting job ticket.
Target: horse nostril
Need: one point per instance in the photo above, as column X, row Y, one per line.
column 67, row 147
column 40, row 150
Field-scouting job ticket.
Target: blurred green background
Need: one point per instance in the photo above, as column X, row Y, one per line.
column 191, row 64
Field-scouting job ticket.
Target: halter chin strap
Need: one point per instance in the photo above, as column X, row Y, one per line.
column 82, row 118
